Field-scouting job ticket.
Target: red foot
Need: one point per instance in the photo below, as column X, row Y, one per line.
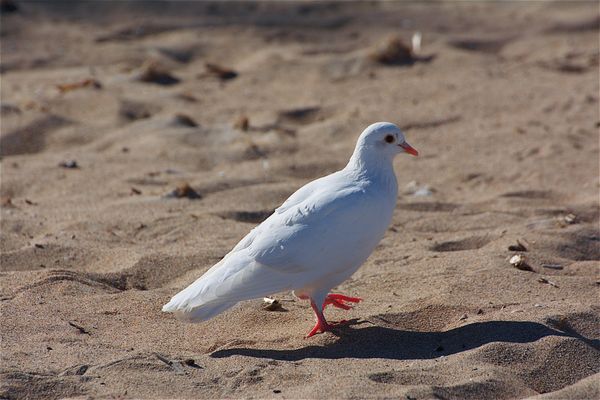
column 336, row 300
column 340, row 301
column 320, row 327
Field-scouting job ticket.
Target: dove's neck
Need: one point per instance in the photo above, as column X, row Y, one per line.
column 366, row 163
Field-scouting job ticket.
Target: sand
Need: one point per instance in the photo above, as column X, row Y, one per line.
column 501, row 101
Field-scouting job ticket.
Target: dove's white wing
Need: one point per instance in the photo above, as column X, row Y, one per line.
column 295, row 198
column 282, row 253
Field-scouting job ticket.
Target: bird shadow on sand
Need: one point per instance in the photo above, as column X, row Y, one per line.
column 397, row 344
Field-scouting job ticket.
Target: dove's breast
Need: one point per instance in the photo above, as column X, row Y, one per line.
column 347, row 243
column 357, row 230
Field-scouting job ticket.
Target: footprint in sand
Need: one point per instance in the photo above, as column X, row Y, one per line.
column 470, row 243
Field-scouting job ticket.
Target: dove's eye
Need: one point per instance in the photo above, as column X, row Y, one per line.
column 390, row 138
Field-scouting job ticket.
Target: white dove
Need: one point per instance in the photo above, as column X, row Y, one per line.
column 316, row 240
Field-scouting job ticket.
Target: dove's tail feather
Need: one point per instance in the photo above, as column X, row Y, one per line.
column 189, row 306
column 235, row 278
column 201, row 313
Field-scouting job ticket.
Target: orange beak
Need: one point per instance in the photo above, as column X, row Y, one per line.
column 409, row 149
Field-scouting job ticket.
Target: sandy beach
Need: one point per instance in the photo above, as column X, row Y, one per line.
column 140, row 141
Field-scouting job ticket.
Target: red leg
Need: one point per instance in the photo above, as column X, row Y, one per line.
column 321, row 325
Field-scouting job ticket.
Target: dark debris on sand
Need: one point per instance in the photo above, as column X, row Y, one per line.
column 8, row 6
column 223, row 73
column 394, row 51
column 184, row 190
column 152, row 72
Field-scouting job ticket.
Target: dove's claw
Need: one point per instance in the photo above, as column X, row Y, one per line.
column 338, row 296
column 338, row 304
column 340, row 301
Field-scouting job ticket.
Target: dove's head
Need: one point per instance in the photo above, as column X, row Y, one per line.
column 384, row 139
